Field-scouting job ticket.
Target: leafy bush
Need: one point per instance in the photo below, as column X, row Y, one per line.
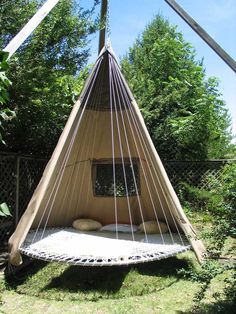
column 4, row 210
column 219, row 202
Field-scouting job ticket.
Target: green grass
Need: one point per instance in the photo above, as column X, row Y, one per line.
column 56, row 281
column 161, row 287
column 146, row 288
column 151, row 288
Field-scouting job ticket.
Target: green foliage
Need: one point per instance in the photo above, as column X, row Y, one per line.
column 219, row 202
column 183, row 110
column 5, row 113
column 47, row 72
column 4, row 210
column 208, row 273
column 4, row 81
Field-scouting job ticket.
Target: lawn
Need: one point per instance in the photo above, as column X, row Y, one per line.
column 173, row 285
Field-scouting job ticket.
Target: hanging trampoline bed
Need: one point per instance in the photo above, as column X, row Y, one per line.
column 104, row 173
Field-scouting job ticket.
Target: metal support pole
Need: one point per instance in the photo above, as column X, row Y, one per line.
column 203, row 34
column 102, row 33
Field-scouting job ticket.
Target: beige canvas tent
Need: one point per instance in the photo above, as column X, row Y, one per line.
column 104, row 167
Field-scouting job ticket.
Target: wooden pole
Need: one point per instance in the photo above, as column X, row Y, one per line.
column 203, row 34
column 28, row 29
column 102, row 33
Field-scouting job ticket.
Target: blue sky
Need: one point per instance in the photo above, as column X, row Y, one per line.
column 128, row 19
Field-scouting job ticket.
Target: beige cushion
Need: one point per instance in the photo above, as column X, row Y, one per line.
column 86, row 224
column 153, row 227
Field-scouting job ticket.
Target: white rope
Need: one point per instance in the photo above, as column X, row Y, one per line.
column 95, row 131
column 134, row 178
column 140, row 134
column 136, row 146
column 77, row 170
column 121, row 152
column 72, row 169
column 136, row 125
column 62, row 168
column 113, row 151
column 163, row 193
column 93, row 105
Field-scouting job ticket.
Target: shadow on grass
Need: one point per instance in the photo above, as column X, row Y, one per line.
column 62, row 282
column 14, row 278
column 165, row 267
column 88, row 279
column 219, row 307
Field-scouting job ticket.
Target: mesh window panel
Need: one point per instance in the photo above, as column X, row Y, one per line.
column 104, row 179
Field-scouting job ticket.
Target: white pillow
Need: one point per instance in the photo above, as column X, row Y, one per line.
column 119, row 228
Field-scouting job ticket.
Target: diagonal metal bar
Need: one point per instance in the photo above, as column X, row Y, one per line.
column 203, row 34
column 28, row 29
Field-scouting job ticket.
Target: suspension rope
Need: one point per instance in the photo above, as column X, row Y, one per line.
column 135, row 182
column 150, row 170
column 94, row 105
column 121, row 151
column 95, row 130
column 154, row 168
column 137, row 149
column 127, row 104
column 68, row 191
column 67, row 154
column 113, row 151
column 119, row 100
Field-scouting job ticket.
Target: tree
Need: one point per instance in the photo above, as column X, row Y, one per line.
column 183, row 110
column 5, row 113
column 46, row 72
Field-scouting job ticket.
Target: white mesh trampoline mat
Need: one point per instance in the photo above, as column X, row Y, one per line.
column 100, row 248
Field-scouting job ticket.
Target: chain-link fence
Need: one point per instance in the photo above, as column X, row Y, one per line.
column 199, row 174
column 19, row 176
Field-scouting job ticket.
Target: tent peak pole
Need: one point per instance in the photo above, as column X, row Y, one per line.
column 102, row 33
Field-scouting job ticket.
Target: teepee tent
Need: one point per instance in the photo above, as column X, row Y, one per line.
column 104, row 167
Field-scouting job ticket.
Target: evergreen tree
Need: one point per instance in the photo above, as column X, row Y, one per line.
column 184, row 111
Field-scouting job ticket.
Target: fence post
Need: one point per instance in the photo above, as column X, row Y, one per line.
column 17, row 189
